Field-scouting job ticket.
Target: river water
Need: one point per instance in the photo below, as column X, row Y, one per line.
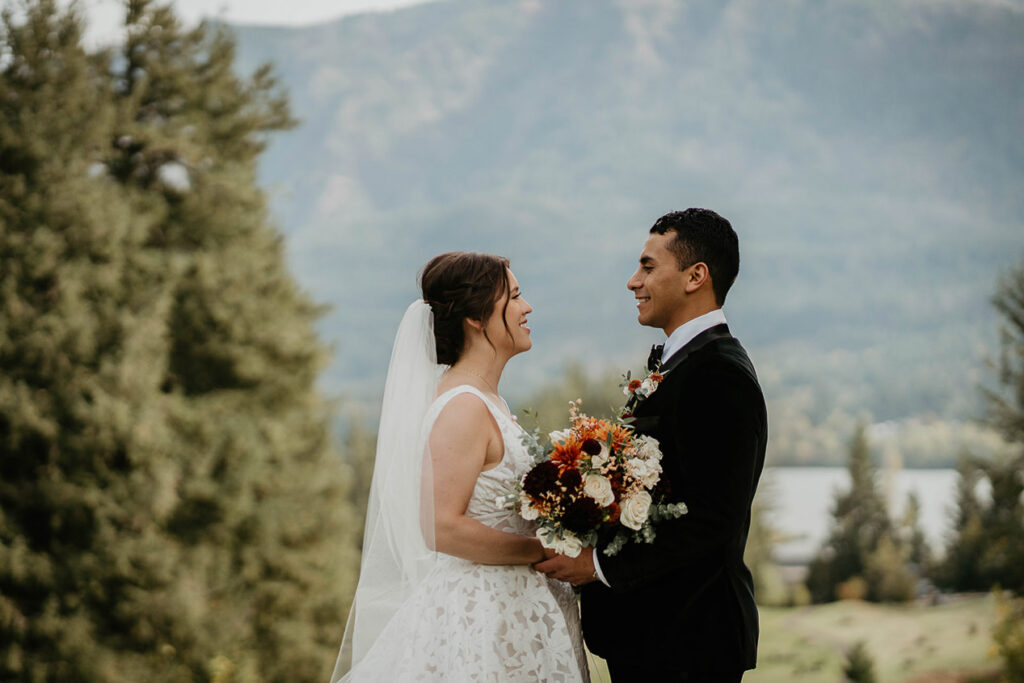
column 802, row 498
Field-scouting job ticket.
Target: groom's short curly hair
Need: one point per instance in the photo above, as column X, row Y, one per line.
column 701, row 235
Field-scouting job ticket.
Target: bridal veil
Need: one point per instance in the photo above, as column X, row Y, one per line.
column 399, row 517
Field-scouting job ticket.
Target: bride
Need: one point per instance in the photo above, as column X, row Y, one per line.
column 446, row 590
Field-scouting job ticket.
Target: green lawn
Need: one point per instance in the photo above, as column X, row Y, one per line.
column 945, row 643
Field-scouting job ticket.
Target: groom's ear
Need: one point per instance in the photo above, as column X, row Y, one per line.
column 697, row 277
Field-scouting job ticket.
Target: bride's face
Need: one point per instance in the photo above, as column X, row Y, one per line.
column 509, row 334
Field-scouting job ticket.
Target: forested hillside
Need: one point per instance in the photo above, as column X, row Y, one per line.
column 868, row 154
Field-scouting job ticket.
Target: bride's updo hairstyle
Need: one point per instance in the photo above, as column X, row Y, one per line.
column 460, row 285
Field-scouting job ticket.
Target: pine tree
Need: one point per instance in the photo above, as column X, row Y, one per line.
column 1004, row 523
column 862, row 545
column 170, row 506
column 1006, row 407
column 959, row 567
column 1001, row 561
column 912, row 534
column 985, row 549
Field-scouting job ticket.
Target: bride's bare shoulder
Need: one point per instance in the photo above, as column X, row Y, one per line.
column 463, row 415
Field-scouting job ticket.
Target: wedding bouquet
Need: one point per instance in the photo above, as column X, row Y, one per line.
column 595, row 476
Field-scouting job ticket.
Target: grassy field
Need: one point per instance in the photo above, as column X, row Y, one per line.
column 942, row 644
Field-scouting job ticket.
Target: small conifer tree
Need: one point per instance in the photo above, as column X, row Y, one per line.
column 862, row 545
column 985, row 548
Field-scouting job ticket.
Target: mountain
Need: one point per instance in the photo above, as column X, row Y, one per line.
column 870, row 156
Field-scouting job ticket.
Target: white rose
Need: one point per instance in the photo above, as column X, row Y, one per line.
column 560, row 435
column 601, row 459
column 568, row 545
column 635, row 510
column 646, row 472
column 526, row 509
column 648, row 386
column 648, row 448
column 599, row 488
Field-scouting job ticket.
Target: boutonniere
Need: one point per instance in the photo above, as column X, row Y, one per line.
column 637, row 390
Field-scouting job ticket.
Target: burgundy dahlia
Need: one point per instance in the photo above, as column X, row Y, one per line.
column 571, row 479
column 543, row 478
column 591, row 446
column 582, row 515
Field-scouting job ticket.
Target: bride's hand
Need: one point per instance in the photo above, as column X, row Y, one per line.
column 546, row 554
column 577, row 570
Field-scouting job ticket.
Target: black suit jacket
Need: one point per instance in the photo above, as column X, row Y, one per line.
column 686, row 601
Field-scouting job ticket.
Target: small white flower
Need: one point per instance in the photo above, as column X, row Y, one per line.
column 625, row 389
column 635, row 509
column 648, row 386
column 526, row 509
column 559, row 435
column 568, row 545
column 647, row 472
column 599, row 488
column 601, row 459
column 647, row 448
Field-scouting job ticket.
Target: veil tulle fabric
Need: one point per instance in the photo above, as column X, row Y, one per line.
column 399, row 517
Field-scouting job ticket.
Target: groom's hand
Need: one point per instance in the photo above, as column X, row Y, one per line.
column 577, row 570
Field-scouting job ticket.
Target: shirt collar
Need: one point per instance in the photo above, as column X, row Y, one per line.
column 683, row 334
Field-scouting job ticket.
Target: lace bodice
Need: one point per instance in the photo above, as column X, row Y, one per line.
column 487, row 503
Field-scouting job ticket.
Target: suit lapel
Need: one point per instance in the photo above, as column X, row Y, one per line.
column 647, row 414
column 700, row 341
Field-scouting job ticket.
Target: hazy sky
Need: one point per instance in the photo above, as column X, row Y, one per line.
column 105, row 15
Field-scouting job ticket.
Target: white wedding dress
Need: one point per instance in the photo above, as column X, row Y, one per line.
column 472, row 622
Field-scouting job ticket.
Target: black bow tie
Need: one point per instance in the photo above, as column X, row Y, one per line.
column 654, row 359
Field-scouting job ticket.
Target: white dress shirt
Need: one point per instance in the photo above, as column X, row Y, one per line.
column 680, row 337
column 684, row 334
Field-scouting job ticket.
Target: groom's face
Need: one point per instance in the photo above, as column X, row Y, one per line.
column 658, row 285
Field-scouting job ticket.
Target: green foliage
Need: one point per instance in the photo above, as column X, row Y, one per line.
column 1006, row 406
column 548, row 407
column 959, row 568
column 887, row 572
column 985, row 548
column 919, row 553
column 358, row 450
column 769, row 585
column 1008, row 634
column 859, row 666
column 170, row 505
column 863, row 557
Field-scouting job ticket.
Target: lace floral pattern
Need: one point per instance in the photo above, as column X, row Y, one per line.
column 474, row 622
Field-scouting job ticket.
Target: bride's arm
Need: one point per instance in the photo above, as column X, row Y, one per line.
column 458, row 448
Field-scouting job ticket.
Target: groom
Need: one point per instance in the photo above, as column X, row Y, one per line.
column 682, row 608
